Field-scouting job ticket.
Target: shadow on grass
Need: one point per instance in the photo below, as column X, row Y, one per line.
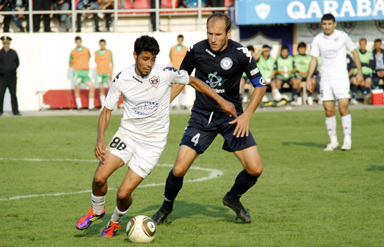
column 184, row 209
column 306, row 144
column 375, row 168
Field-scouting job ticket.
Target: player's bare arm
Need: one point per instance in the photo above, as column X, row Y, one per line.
column 242, row 122
column 104, row 119
column 175, row 90
column 200, row 86
column 70, row 64
column 356, row 59
column 311, row 69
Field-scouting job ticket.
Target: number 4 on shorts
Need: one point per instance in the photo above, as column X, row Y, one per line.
column 195, row 139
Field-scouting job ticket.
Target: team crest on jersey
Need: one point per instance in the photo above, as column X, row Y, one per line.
column 348, row 26
column 313, row 28
column 380, row 25
column 226, row 63
column 155, row 80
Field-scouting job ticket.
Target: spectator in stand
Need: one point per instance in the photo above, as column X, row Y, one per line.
column 285, row 70
column 176, row 55
column 65, row 21
column 352, row 78
column 79, row 61
column 378, row 58
column 107, row 4
column 37, row 6
column 87, row 5
column 6, row 5
column 367, row 63
column 302, row 64
column 122, row 3
column 20, row 6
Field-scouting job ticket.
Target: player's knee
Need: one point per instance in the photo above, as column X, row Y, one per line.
column 255, row 170
column 179, row 171
column 123, row 196
column 99, row 181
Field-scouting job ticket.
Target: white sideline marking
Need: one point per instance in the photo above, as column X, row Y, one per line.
column 213, row 174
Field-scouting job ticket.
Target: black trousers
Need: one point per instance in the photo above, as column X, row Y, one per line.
column 7, row 20
column 95, row 19
column 8, row 81
column 375, row 80
column 39, row 5
column 153, row 14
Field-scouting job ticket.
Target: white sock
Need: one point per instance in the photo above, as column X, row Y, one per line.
column 117, row 216
column 330, row 123
column 78, row 103
column 276, row 94
column 181, row 99
column 102, row 100
column 91, row 103
column 98, row 204
column 346, row 122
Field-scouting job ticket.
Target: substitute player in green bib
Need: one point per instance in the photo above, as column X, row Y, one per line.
column 79, row 61
column 104, row 63
column 302, row 64
column 266, row 63
column 367, row 63
column 285, row 70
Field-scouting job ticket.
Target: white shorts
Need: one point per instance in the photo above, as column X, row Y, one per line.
column 142, row 155
column 334, row 87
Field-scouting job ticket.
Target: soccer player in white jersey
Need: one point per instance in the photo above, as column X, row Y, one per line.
column 332, row 45
column 142, row 135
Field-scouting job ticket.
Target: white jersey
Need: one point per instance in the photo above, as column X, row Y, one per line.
column 333, row 51
column 146, row 100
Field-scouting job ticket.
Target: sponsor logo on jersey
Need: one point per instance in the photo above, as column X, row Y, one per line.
column 254, row 71
column 210, row 53
column 190, row 48
column 214, row 80
column 146, row 108
column 246, row 52
column 336, row 39
column 262, row 10
column 226, row 63
column 154, row 81
column 330, row 54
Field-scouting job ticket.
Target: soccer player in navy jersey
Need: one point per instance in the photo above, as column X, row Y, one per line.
column 220, row 63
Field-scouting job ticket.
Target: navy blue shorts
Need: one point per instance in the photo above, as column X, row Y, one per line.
column 203, row 128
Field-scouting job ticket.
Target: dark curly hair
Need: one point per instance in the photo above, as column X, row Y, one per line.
column 146, row 44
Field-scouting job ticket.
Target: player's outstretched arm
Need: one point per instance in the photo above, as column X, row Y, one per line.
column 200, row 86
column 356, row 59
column 104, row 119
column 311, row 69
column 175, row 90
column 242, row 122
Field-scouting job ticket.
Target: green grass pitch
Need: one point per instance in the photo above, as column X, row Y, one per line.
column 305, row 196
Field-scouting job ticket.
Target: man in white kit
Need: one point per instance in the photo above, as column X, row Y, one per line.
column 334, row 83
column 142, row 135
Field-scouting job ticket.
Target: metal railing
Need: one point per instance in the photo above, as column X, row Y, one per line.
column 169, row 11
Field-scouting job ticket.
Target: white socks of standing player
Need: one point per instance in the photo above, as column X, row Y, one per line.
column 102, row 100
column 117, row 216
column 91, row 103
column 276, row 94
column 78, row 103
column 98, row 204
column 330, row 122
column 346, row 122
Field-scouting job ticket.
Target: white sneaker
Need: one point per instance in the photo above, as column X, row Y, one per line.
column 299, row 101
column 332, row 146
column 310, row 100
column 353, row 102
column 346, row 146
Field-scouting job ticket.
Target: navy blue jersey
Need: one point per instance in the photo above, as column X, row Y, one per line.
column 222, row 71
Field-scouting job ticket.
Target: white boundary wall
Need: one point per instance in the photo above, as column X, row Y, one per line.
column 44, row 59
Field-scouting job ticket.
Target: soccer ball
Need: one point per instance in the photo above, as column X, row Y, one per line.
column 141, row 228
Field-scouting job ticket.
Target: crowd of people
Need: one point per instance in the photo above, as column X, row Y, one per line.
column 20, row 7
column 291, row 72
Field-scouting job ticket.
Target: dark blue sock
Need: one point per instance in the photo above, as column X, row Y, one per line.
column 364, row 90
column 294, row 94
column 172, row 187
column 309, row 94
column 243, row 182
column 353, row 90
column 368, row 90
